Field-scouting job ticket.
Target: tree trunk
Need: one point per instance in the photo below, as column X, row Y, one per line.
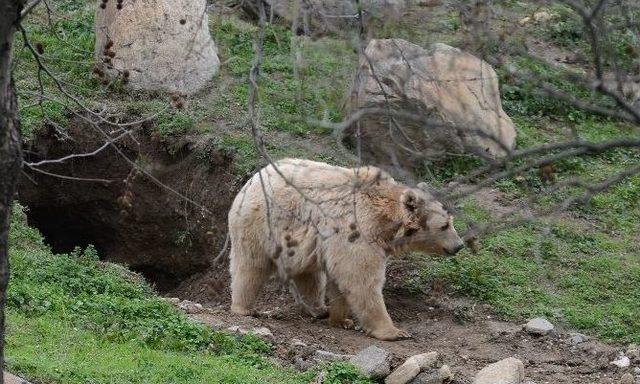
column 10, row 151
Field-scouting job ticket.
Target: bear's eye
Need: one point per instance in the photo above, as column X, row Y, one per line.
column 410, row 231
column 445, row 227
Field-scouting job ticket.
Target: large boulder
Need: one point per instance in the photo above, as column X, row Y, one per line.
column 156, row 44
column 318, row 17
column 422, row 103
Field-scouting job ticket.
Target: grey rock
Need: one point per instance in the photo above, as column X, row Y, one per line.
column 539, row 326
column 577, row 338
column 431, row 377
column 373, row 362
column 507, row 371
column 302, row 364
column 438, row 376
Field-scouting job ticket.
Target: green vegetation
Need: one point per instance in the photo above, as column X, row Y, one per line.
column 74, row 319
column 581, row 268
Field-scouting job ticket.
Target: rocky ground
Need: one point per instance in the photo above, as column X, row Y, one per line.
column 466, row 338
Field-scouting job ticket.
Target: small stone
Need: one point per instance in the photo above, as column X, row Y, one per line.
column 636, row 370
column 404, row 373
column 302, row 364
column 507, row 371
column 577, row 338
column 621, row 362
column 425, row 360
column 539, row 326
column 172, row 300
column 326, row 356
column 263, row 333
column 190, row 307
column 627, row 378
column 373, row 362
column 297, row 343
column 444, row 373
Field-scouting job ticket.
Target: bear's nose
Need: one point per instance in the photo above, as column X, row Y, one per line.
column 456, row 249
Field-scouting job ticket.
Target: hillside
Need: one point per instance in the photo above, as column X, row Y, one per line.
column 162, row 212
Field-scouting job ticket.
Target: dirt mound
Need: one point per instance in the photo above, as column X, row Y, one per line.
column 132, row 219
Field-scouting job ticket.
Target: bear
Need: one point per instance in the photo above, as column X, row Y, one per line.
column 329, row 230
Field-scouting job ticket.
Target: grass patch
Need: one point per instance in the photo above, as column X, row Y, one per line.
column 63, row 308
column 587, row 280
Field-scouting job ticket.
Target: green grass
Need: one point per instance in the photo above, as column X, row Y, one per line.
column 63, row 309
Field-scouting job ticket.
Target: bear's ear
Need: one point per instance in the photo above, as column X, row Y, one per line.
column 411, row 202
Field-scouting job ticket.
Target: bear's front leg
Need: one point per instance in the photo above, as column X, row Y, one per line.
column 359, row 275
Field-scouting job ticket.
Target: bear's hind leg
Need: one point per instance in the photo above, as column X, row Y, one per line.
column 249, row 272
column 310, row 289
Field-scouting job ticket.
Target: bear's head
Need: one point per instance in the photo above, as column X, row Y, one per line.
column 426, row 225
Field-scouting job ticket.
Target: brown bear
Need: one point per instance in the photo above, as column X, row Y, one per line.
column 320, row 226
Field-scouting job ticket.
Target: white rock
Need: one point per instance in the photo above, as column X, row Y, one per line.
column 404, row 373
column 164, row 45
column 538, row 326
column 636, row 370
column 621, row 362
column 373, row 362
column 457, row 88
column 507, row 371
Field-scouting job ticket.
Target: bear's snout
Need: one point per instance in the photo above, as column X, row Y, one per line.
column 455, row 250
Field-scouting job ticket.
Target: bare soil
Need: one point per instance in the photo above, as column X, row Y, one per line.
column 467, row 335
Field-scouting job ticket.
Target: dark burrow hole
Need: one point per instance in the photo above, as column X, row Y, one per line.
column 65, row 228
